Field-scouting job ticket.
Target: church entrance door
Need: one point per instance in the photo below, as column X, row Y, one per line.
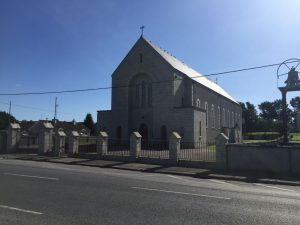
column 144, row 132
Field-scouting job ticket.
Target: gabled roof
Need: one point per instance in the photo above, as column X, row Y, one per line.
column 193, row 74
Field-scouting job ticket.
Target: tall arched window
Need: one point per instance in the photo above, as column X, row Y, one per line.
column 137, row 96
column 213, row 116
column 143, row 94
column 224, row 118
column 206, row 109
column 149, row 94
column 219, row 117
column 200, row 128
column 228, row 118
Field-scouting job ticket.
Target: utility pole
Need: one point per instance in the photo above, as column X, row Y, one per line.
column 9, row 112
column 55, row 111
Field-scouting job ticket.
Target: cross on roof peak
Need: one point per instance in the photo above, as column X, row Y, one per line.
column 142, row 30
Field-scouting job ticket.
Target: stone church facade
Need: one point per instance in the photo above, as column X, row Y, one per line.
column 155, row 93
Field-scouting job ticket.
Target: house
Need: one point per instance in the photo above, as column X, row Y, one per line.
column 32, row 127
column 155, row 93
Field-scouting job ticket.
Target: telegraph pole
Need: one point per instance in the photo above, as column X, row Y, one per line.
column 55, row 110
column 9, row 112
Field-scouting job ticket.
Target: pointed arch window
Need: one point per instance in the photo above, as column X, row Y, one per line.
column 149, row 94
column 206, row 109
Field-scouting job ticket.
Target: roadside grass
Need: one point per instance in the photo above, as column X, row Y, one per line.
column 294, row 136
column 261, row 133
column 87, row 141
column 254, row 141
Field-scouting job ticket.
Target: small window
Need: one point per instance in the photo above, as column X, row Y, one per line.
column 198, row 103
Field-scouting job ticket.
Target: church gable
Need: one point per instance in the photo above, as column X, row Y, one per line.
column 142, row 58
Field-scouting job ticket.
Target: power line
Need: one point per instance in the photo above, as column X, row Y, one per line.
column 37, row 109
column 164, row 81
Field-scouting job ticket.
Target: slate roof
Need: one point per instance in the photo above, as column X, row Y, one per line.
column 66, row 126
column 193, row 74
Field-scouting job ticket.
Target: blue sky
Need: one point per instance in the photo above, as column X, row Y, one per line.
column 54, row 45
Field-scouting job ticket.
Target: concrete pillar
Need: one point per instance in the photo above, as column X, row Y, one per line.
column 284, row 116
column 45, row 131
column 135, row 144
column 174, row 147
column 73, row 143
column 102, row 143
column 13, row 137
column 221, row 141
column 59, row 142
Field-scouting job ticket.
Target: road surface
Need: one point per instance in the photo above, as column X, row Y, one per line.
column 49, row 193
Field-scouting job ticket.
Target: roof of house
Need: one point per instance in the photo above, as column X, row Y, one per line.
column 70, row 126
column 66, row 126
column 193, row 74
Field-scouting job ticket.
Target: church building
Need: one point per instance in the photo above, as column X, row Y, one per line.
column 155, row 93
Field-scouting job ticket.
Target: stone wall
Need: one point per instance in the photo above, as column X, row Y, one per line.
column 263, row 158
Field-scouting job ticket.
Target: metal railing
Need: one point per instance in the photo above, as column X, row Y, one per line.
column 27, row 144
column 155, row 149
column 118, row 147
column 198, row 151
column 87, row 144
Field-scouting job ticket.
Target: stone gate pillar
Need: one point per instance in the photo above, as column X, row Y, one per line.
column 174, row 147
column 60, row 137
column 73, row 143
column 102, row 143
column 45, row 138
column 13, row 137
column 221, row 141
column 135, row 145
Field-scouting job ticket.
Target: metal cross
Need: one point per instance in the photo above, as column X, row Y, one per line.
column 142, row 29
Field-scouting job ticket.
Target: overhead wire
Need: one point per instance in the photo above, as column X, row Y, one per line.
column 123, row 86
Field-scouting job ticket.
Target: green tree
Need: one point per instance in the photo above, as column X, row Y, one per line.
column 271, row 112
column 250, row 117
column 4, row 120
column 295, row 103
column 89, row 123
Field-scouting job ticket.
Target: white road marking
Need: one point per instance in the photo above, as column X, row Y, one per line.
column 20, row 210
column 179, row 178
column 282, row 189
column 30, row 176
column 221, row 182
column 181, row 193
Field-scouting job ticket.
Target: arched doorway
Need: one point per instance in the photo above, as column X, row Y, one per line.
column 119, row 133
column 144, row 132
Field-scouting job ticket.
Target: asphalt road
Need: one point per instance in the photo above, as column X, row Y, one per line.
column 48, row 193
